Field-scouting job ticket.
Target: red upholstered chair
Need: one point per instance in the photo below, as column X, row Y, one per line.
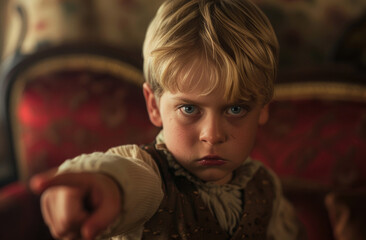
column 315, row 141
column 58, row 103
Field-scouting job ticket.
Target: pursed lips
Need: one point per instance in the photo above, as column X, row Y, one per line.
column 212, row 160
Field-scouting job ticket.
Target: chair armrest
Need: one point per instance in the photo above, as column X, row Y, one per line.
column 20, row 215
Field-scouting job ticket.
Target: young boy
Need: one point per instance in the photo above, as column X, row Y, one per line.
column 209, row 67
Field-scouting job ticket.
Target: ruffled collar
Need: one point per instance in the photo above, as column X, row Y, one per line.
column 242, row 175
column 224, row 201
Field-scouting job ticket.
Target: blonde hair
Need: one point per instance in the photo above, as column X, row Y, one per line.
column 229, row 42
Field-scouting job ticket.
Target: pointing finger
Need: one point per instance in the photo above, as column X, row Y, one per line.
column 41, row 182
column 37, row 182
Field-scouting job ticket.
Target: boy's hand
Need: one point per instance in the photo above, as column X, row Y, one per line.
column 77, row 205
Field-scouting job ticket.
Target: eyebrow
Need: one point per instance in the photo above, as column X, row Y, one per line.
column 238, row 102
column 183, row 99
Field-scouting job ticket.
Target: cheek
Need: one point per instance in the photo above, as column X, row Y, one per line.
column 179, row 140
column 245, row 136
column 178, row 134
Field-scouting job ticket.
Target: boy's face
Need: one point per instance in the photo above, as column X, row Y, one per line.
column 207, row 135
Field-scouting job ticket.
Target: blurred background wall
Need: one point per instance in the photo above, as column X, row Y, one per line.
column 50, row 22
column 310, row 31
column 3, row 22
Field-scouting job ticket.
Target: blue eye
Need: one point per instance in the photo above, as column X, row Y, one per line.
column 237, row 111
column 188, row 109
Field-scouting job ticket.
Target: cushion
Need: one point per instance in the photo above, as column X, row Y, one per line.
column 315, row 140
column 66, row 106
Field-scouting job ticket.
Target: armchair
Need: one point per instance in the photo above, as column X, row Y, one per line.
column 315, row 141
column 57, row 103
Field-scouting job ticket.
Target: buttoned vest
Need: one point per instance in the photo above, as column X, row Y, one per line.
column 183, row 214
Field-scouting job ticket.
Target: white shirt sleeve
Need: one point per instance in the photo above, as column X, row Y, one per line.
column 138, row 176
column 284, row 224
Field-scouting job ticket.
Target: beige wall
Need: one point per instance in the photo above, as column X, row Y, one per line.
column 3, row 15
column 54, row 22
column 308, row 30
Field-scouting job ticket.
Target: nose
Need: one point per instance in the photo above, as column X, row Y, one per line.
column 212, row 131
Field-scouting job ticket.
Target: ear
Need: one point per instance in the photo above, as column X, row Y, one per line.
column 152, row 106
column 264, row 114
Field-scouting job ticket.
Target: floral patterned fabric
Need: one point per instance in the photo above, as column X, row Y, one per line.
column 317, row 140
column 64, row 114
column 316, row 145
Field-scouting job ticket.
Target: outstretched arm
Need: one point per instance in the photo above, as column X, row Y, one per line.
column 77, row 205
column 134, row 174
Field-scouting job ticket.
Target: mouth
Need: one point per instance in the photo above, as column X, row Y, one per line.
column 211, row 160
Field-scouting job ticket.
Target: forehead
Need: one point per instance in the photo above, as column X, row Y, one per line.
column 215, row 98
column 202, row 75
column 194, row 98
column 198, row 76
column 206, row 79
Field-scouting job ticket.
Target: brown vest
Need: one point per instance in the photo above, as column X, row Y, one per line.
column 183, row 215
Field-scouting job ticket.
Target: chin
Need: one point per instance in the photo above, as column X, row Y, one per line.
column 215, row 177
